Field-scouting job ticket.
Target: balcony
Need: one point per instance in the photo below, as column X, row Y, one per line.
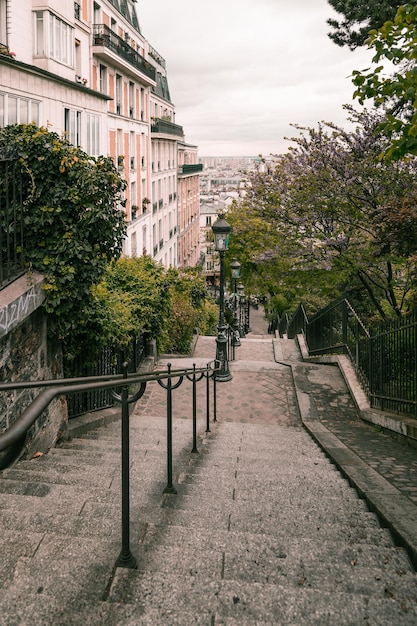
column 104, row 37
column 191, row 168
column 166, row 128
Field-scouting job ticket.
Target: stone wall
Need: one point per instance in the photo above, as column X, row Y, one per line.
column 27, row 355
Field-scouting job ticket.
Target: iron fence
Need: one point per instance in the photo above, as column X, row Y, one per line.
column 384, row 357
column 108, row 363
column 297, row 323
column 393, row 366
column 12, row 234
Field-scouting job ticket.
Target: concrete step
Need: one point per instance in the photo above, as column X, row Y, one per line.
column 263, row 530
column 242, row 603
column 255, row 566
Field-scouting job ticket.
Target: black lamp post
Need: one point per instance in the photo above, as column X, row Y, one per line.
column 221, row 230
column 242, row 299
column 235, row 269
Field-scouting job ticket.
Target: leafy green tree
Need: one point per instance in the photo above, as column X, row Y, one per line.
column 190, row 309
column 395, row 42
column 326, row 204
column 359, row 18
column 143, row 285
column 73, row 222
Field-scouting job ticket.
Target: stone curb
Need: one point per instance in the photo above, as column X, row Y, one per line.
column 394, row 510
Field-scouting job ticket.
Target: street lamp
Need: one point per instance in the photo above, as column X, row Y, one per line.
column 221, row 231
column 241, row 292
column 235, row 269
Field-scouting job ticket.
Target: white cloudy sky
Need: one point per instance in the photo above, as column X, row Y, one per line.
column 241, row 71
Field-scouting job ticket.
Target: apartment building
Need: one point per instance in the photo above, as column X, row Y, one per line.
column 85, row 69
column 189, row 170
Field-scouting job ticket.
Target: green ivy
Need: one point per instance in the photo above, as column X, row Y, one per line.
column 73, row 219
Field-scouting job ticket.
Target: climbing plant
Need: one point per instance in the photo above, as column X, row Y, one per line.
column 73, row 219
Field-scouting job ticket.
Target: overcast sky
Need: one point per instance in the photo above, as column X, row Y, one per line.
column 241, row 71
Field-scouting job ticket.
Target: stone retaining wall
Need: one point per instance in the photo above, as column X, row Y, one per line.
column 25, row 354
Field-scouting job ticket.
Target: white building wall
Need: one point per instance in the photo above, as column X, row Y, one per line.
column 57, row 86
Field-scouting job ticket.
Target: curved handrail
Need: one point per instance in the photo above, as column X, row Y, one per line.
column 63, row 386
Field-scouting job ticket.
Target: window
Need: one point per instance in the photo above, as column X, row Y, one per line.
column 134, row 248
column 97, row 13
column 39, row 35
column 132, row 150
column 208, row 220
column 17, row 110
column 93, row 134
column 119, row 92
column 131, row 99
column 103, row 79
column 72, row 126
column 133, row 197
column 53, row 38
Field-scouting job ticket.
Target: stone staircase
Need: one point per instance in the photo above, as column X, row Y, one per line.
column 263, row 530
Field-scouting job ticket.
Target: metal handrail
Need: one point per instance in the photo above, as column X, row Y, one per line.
column 65, row 386
column 17, row 431
column 298, row 322
column 383, row 357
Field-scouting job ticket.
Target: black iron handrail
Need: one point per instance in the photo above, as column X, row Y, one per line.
column 64, row 386
column 119, row 386
column 384, row 358
column 297, row 323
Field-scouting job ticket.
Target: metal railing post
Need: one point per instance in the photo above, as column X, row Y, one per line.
column 208, row 402
column 170, row 387
column 195, row 449
column 125, row 558
column 214, row 399
column 169, row 488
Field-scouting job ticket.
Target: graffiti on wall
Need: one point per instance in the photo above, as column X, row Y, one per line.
column 17, row 311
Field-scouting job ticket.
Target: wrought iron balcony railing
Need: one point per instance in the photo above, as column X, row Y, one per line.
column 166, row 127
column 191, row 168
column 104, row 36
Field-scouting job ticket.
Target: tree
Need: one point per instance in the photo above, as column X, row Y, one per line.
column 73, row 222
column 328, row 202
column 395, row 42
column 143, row 285
column 359, row 18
